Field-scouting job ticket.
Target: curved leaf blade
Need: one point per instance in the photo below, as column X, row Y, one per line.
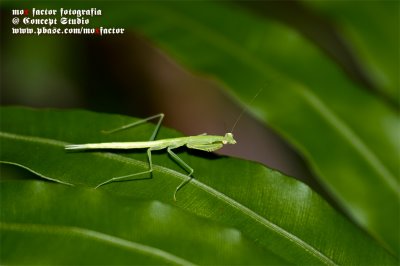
column 373, row 32
column 281, row 214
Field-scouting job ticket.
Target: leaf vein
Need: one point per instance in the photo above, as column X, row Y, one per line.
column 99, row 236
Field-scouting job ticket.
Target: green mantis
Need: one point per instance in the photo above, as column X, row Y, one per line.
column 202, row 142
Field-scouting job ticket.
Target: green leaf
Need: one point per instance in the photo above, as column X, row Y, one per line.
column 372, row 29
column 279, row 213
column 57, row 224
column 349, row 137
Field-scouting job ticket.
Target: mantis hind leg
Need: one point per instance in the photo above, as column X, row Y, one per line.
column 142, row 121
column 183, row 165
column 132, row 176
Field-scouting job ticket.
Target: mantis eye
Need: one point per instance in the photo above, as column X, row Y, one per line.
column 224, row 142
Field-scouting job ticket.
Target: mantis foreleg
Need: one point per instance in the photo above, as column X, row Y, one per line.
column 183, row 165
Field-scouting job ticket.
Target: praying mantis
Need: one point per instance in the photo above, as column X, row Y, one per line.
column 201, row 142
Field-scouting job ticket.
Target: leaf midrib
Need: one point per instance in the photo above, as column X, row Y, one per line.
column 96, row 235
column 217, row 194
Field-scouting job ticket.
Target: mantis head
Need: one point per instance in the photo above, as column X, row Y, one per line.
column 228, row 139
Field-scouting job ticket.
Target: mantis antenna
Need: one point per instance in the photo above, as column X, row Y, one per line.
column 245, row 109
